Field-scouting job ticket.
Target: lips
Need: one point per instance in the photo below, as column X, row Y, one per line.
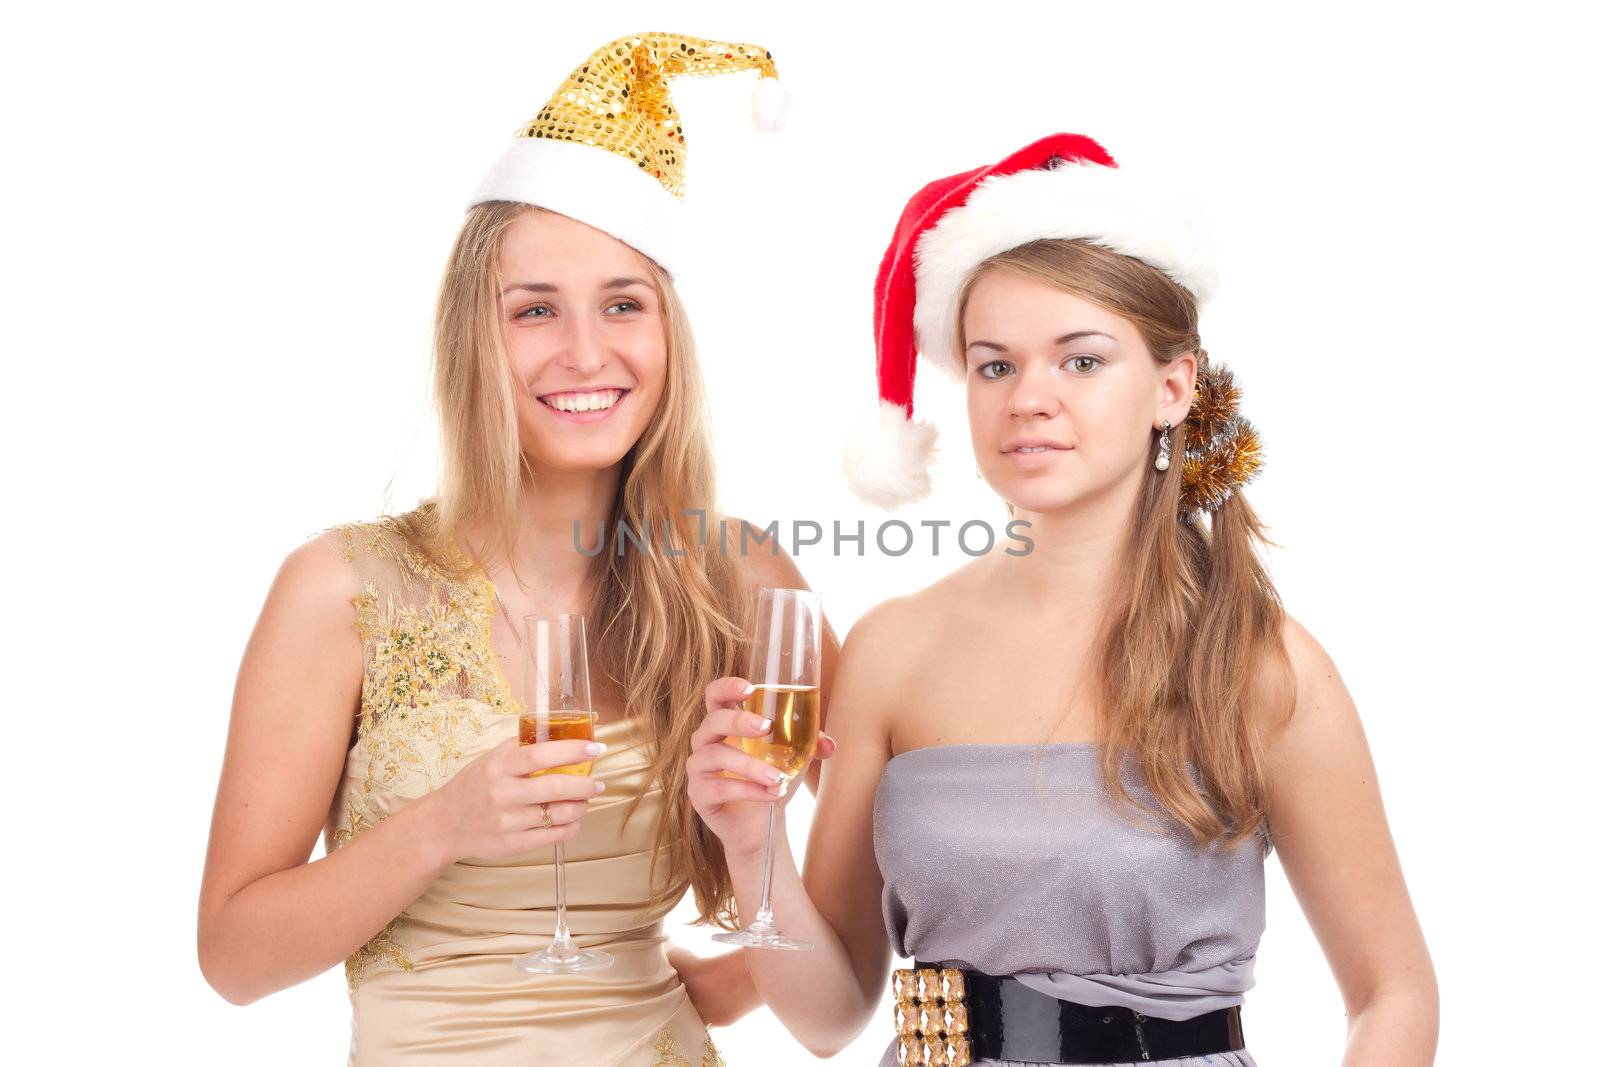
column 584, row 405
column 1029, row 454
column 579, row 400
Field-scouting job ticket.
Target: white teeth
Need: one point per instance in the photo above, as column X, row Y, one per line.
column 575, row 402
column 1033, row 448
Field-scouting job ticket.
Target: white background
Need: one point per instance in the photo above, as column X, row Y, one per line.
column 224, row 227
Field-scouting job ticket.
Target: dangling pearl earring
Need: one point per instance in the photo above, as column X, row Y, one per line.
column 1164, row 460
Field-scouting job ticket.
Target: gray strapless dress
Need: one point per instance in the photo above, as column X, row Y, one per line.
column 1012, row 860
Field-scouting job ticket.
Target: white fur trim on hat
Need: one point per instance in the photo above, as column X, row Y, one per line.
column 886, row 461
column 1107, row 205
column 593, row 185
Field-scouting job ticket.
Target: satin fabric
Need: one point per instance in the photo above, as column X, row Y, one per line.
column 462, row 1001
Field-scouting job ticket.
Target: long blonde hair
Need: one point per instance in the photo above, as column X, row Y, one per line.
column 1194, row 616
column 661, row 626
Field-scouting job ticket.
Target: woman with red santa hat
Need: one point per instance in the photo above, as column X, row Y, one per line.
column 1060, row 771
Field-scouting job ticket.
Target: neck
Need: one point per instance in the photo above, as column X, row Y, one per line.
column 545, row 556
column 1077, row 553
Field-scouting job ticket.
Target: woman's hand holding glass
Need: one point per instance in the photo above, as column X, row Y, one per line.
column 490, row 808
column 781, row 735
column 720, row 775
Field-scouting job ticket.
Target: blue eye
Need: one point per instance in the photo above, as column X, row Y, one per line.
column 634, row 304
column 983, row 370
column 528, row 313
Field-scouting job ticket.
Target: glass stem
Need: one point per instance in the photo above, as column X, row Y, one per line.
column 764, row 913
column 563, row 941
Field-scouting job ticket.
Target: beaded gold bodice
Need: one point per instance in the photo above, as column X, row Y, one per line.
column 430, row 675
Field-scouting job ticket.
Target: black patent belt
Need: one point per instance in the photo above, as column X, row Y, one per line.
column 947, row 1017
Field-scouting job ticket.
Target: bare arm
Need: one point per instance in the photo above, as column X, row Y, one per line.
column 826, row 996
column 267, row 918
column 1333, row 840
column 721, row 986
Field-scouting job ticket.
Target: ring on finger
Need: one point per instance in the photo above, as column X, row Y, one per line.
column 544, row 811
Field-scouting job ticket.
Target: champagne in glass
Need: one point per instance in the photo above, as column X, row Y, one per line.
column 786, row 670
column 556, row 708
column 565, row 726
column 792, row 742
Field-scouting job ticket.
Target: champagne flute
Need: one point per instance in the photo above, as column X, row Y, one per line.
column 555, row 673
column 786, row 669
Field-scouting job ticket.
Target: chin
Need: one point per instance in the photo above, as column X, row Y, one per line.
column 562, row 456
column 588, row 461
column 1043, row 498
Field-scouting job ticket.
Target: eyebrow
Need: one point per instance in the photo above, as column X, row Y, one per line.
column 547, row 287
column 1065, row 338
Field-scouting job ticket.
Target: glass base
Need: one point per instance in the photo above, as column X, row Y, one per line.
column 554, row 961
column 755, row 936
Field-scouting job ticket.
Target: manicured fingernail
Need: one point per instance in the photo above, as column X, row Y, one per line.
column 599, row 787
column 747, row 690
column 763, row 724
column 594, row 748
column 776, row 776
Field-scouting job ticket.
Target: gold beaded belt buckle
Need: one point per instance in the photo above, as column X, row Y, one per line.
column 930, row 1015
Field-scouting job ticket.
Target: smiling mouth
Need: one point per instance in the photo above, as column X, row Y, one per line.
column 1028, row 450
column 578, row 402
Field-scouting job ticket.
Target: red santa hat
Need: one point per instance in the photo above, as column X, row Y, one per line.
column 1061, row 186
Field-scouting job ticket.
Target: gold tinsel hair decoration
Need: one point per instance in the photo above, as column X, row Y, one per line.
column 617, row 99
column 1222, row 450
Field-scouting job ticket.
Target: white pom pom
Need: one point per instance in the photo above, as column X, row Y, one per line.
column 886, row 461
column 770, row 104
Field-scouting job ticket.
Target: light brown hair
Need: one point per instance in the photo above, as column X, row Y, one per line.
column 661, row 626
column 1195, row 627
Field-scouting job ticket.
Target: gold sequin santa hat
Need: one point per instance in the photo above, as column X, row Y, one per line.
column 608, row 148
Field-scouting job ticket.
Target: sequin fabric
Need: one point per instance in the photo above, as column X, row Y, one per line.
column 618, row 98
column 1077, row 898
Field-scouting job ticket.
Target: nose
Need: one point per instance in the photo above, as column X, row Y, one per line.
column 1032, row 394
column 584, row 353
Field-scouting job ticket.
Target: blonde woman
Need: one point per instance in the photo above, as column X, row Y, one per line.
column 1058, row 769
column 577, row 477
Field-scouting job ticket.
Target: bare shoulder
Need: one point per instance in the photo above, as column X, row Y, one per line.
column 1302, row 702
column 761, row 550
column 309, row 615
column 882, row 629
column 897, row 633
column 936, row 614
column 300, row 678
column 1315, row 676
column 965, row 585
column 315, row 581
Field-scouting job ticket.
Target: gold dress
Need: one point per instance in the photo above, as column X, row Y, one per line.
column 436, row 984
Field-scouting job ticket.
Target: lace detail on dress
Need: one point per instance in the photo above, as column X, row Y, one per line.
column 667, row 1052
column 713, row 1056
column 381, row 949
column 430, row 683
